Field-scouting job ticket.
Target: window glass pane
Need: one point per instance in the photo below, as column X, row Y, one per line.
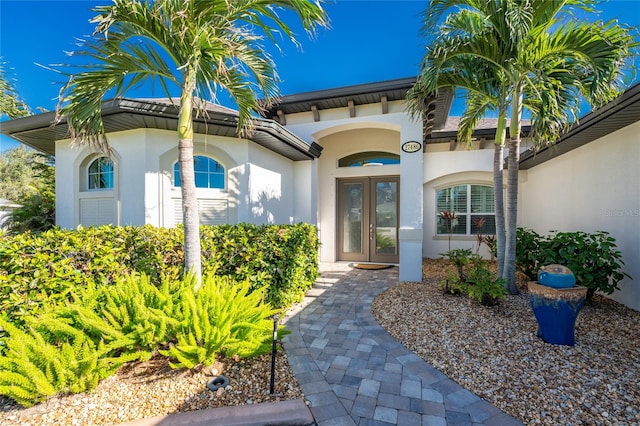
column 217, row 167
column 208, row 173
column 216, row 180
column 94, row 181
column 176, row 174
column 106, row 166
column 369, row 158
column 202, row 180
column 100, row 174
column 483, row 224
column 482, row 200
column 452, row 199
column 200, row 164
column 351, row 194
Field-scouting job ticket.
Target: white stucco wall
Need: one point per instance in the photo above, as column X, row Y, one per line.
column 305, row 207
column 593, row 188
column 271, row 187
column 259, row 186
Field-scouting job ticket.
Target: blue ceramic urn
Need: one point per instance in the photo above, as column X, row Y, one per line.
column 556, row 276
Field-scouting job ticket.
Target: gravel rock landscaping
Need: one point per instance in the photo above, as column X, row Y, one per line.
column 495, row 352
column 492, row 351
column 152, row 388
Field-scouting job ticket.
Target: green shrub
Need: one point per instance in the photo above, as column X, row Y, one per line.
column 220, row 317
column 528, row 252
column 482, row 284
column 40, row 271
column 592, row 257
column 459, row 257
column 69, row 348
column 53, row 357
column 451, row 284
column 133, row 307
column 281, row 259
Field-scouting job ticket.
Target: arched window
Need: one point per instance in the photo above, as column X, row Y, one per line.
column 465, row 210
column 100, row 174
column 208, row 173
column 369, row 158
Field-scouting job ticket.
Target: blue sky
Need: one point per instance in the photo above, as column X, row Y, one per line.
column 369, row 41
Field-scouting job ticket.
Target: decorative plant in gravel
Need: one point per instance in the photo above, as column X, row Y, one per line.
column 479, row 282
column 143, row 311
column 488, row 240
column 460, row 258
column 53, row 357
column 449, row 217
column 482, row 284
column 222, row 316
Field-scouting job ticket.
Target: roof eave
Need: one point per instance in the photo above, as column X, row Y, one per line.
column 43, row 124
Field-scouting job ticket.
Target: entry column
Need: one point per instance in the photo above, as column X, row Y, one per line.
column 411, row 184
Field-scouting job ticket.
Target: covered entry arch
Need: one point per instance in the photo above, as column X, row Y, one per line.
column 356, row 140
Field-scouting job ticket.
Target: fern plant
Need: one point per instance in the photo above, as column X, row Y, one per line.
column 222, row 316
column 141, row 310
column 54, row 357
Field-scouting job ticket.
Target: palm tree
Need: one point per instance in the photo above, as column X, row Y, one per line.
column 10, row 103
column 199, row 46
column 482, row 90
column 525, row 54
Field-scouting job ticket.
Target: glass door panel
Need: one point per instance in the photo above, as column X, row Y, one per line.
column 386, row 218
column 352, row 218
column 385, row 221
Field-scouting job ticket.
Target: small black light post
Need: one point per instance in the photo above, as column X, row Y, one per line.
column 273, row 354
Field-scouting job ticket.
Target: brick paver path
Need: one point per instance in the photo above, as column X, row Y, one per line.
column 354, row 373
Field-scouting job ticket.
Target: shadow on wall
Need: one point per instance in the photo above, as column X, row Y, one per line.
column 267, row 209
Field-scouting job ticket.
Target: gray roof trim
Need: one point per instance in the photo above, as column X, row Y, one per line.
column 361, row 94
column 612, row 117
column 38, row 131
column 488, row 133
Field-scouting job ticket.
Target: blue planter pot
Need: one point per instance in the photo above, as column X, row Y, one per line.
column 556, row 276
column 556, row 311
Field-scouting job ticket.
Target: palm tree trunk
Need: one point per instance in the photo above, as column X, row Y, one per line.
column 190, row 216
column 509, row 271
column 498, row 190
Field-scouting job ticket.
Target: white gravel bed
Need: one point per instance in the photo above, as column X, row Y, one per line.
column 495, row 353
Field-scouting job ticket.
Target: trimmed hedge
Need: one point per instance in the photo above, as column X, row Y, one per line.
column 41, row 270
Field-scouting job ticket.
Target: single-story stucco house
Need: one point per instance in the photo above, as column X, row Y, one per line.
column 353, row 162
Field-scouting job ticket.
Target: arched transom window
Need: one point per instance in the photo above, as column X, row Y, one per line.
column 100, row 174
column 208, row 173
column 369, row 158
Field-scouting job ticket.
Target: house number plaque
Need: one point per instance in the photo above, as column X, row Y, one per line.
column 411, row 146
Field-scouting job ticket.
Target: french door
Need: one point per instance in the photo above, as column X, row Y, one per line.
column 367, row 219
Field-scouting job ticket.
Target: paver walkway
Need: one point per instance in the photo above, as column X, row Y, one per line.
column 354, row 373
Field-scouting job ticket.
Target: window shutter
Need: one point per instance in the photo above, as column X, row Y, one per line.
column 212, row 211
column 97, row 211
